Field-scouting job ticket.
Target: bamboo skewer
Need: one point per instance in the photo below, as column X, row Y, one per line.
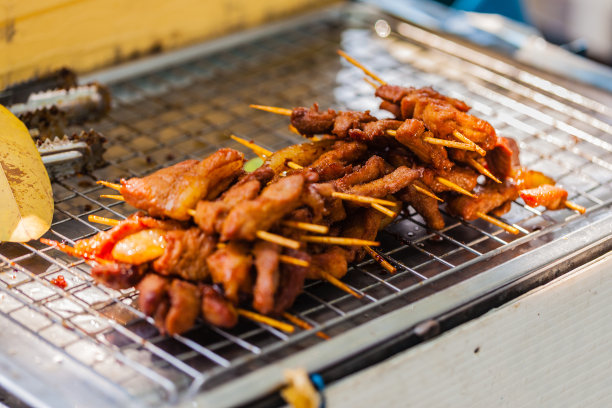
column 455, row 187
column 449, row 143
column 337, row 240
column 260, row 151
column 293, row 261
column 483, row 170
column 382, row 261
column 303, row 324
column 117, row 197
column 362, row 199
column 389, row 213
column 500, row 224
column 256, row 317
column 103, row 220
column 464, row 139
column 277, row 239
column 426, row 192
column 372, row 83
column 361, row 67
column 114, row 186
column 319, row 229
column 273, row 109
column 575, row 207
column 339, row 284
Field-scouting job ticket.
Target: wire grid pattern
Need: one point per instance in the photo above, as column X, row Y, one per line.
column 188, row 111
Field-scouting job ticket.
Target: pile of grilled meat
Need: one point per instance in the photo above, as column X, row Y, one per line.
column 193, row 249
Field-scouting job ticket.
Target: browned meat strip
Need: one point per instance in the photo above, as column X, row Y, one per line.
column 462, row 176
column 551, row 197
column 174, row 305
column 426, row 206
column 362, row 224
column 311, row 121
column 394, row 94
column 375, row 132
column 345, row 121
column 389, row 184
column 411, row 134
column 230, row 267
column 332, row 261
column 185, row 254
column 374, row 168
column 118, row 275
column 504, row 158
column 266, row 284
column 333, row 164
column 291, row 282
column 216, row 310
column 489, row 197
column 275, row 201
column 173, row 190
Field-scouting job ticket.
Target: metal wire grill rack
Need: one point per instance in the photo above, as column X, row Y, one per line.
column 188, row 110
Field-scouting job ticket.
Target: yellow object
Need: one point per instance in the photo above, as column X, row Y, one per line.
column 38, row 36
column 300, row 393
column 26, row 198
column 140, row 247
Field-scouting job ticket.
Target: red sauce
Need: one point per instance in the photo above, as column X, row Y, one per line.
column 59, row 281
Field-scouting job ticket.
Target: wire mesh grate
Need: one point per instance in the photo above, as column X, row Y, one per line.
column 188, row 111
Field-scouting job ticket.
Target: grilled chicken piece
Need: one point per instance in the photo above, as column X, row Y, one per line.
column 216, row 310
column 411, row 134
column 312, row 122
column 185, row 254
column 374, row 168
column 389, row 184
column 174, row 304
column 462, row 176
column 395, row 94
column 335, row 163
column 489, row 197
column 551, row 197
column 173, row 190
column 118, row 275
column 230, row 267
column 274, row 202
column 291, row 282
column 375, row 132
column 426, row 206
column 332, row 261
column 504, row 158
column 266, row 283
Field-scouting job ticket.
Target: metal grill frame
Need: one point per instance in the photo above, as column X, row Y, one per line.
column 489, row 258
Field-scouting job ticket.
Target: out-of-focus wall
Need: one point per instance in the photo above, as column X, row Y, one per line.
column 38, row 36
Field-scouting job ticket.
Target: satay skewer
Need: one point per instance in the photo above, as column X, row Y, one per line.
column 361, row 67
column 483, row 170
column 303, row 324
column 575, row 207
column 500, row 224
column 287, row 328
column 464, row 139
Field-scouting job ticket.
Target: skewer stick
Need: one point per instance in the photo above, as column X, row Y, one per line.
column 449, row 143
column 369, row 81
column 575, row 207
column 338, row 240
column 293, row 261
column 497, row 222
column 103, row 220
column 273, row 109
column 304, row 325
column 67, row 249
column 483, row 170
column 361, row 67
column 382, row 261
column 277, row 239
column 118, row 197
column 114, row 186
column 464, row 139
column 427, row 192
column 455, row 187
column 260, row 151
column 294, row 166
column 306, row 226
column 339, row 284
column 256, row 317
column 389, row 213
column 362, row 199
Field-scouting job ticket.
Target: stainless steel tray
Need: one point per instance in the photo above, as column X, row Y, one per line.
column 89, row 345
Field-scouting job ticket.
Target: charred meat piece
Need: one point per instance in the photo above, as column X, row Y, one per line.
column 266, row 283
column 230, row 266
column 426, row 206
column 551, row 197
column 395, row 94
column 332, row 261
column 462, row 176
column 374, row 168
column 274, row 202
column 291, row 282
column 173, row 190
column 362, row 224
column 489, row 197
column 504, row 158
column 389, row 184
column 118, row 275
column 335, row 162
column 347, row 120
column 216, row 310
column 185, row 254
column 302, row 154
column 102, row 244
column 311, row 121
column 411, row 134
column 174, row 304
column 375, row 132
